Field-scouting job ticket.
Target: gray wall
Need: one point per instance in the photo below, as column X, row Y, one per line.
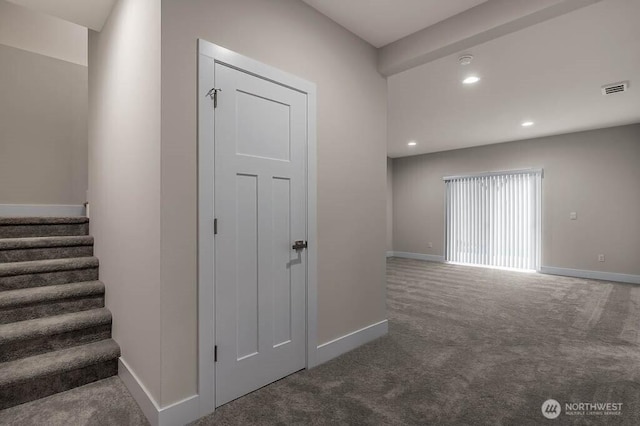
column 595, row 174
column 43, row 129
column 124, row 181
column 291, row 36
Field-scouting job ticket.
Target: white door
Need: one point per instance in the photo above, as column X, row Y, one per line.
column 260, row 198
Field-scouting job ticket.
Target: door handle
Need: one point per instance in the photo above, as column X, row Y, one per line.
column 299, row 245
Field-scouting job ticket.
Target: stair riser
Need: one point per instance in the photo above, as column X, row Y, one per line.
column 59, row 230
column 25, row 255
column 58, row 307
column 48, row 278
column 39, row 388
column 36, row 346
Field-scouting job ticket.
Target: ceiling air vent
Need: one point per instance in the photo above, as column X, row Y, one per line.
column 610, row 89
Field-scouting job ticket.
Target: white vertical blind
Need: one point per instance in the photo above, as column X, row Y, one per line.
column 494, row 219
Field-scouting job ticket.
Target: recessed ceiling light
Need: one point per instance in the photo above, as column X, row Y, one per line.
column 412, row 143
column 527, row 123
column 471, row 79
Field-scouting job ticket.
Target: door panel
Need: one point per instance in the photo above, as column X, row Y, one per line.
column 281, row 268
column 263, row 127
column 247, row 265
column 260, row 199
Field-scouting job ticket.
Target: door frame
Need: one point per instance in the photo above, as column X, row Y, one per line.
column 208, row 55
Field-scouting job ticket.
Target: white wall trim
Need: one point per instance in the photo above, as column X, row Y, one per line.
column 418, row 256
column 178, row 413
column 390, row 253
column 206, row 273
column 351, row 341
column 139, row 392
column 181, row 412
column 209, row 55
column 595, row 275
column 41, row 210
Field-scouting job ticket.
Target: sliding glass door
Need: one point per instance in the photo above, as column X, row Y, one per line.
column 493, row 219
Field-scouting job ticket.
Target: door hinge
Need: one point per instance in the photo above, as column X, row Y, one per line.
column 215, row 353
column 213, row 94
column 215, row 226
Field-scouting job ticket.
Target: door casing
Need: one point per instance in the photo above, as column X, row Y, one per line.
column 208, row 55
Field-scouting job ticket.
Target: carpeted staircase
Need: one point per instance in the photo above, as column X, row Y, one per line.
column 55, row 333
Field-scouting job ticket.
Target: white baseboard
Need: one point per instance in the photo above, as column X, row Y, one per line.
column 41, row 210
column 139, row 392
column 178, row 413
column 181, row 412
column 348, row 342
column 389, row 254
column 595, row 275
column 419, row 256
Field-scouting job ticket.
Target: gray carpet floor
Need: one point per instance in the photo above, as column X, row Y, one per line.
column 466, row 346
column 102, row 403
column 470, row 346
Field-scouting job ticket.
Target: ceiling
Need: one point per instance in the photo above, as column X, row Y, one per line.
column 87, row 13
column 549, row 73
column 381, row 22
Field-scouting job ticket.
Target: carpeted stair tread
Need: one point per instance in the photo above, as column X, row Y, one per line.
column 27, row 227
column 50, row 363
column 50, row 265
column 44, row 242
column 30, row 296
column 47, row 326
column 42, row 220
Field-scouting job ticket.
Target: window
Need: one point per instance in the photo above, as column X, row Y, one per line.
column 493, row 219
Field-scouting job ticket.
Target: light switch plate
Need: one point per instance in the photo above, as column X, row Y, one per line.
column 573, row 215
